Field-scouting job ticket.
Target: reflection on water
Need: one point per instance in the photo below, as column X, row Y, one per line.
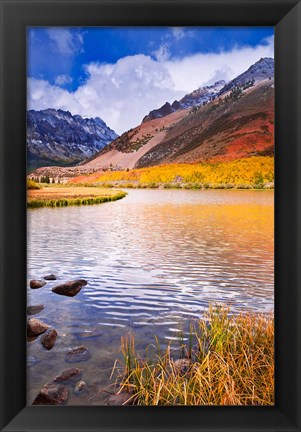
column 151, row 260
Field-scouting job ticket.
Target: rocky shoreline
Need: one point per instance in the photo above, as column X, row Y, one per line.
column 70, row 380
column 56, row 392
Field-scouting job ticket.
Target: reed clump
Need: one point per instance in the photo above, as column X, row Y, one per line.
column 225, row 360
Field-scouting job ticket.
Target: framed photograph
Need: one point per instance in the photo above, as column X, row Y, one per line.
column 153, row 215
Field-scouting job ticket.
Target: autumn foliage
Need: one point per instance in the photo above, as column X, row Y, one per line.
column 254, row 172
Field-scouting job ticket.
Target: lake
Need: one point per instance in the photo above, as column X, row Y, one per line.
column 153, row 260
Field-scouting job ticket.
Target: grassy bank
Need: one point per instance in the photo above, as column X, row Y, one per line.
column 248, row 173
column 226, row 360
column 60, row 196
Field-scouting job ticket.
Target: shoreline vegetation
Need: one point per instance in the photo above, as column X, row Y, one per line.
column 225, row 360
column 64, row 195
column 256, row 172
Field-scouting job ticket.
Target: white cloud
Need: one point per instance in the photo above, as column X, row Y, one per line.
column 269, row 41
column 162, row 53
column 61, row 80
column 193, row 71
column 65, row 41
column 178, row 32
column 42, row 95
column 124, row 92
column 121, row 93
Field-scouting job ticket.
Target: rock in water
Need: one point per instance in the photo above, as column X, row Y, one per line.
column 81, row 389
column 32, row 310
column 71, row 288
column 93, row 332
column 52, row 394
column 77, row 354
column 48, row 339
column 35, row 327
column 35, row 283
column 50, row 277
column 69, row 376
column 31, row 338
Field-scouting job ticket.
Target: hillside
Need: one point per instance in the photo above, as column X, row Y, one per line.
column 225, row 129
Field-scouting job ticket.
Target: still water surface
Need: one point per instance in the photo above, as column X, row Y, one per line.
column 152, row 260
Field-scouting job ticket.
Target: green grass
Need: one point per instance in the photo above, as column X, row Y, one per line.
column 229, row 360
column 63, row 202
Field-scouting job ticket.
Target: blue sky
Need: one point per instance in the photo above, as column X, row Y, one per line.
column 107, row 71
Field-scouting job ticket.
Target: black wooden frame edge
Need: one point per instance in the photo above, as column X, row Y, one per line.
column 15, row 16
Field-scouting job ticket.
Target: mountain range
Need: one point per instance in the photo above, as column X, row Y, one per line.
column 56, row 137
column 223, row 121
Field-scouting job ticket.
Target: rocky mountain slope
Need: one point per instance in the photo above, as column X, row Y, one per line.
column 198, row 97
column 262, row 70
column 232, row 127
column 56, row 137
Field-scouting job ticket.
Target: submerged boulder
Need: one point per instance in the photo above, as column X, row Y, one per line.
column 77, row 354
column 36, row 283
column 69, row 376
column 93, row 332
column 35, row 327
column 69, row 289
column 50, row 277
column 52, row 394
column 48, row 339
column 32, row 310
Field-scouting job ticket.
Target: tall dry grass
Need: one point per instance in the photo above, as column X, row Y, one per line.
column 227, row 360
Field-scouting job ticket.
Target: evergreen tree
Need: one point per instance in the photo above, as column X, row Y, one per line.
column 236, row 93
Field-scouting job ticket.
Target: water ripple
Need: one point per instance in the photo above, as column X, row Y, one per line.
column 151, row 260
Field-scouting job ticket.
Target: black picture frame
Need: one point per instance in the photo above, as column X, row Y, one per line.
column 16, row 15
